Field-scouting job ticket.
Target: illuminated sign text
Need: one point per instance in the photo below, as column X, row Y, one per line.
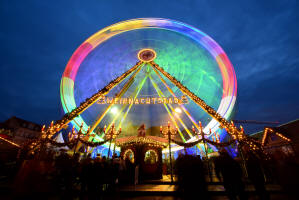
column 146, row 100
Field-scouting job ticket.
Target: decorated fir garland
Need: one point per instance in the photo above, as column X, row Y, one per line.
column 187, row 145
column 220, row 144
column 93, row 144
column 61, row 144
column 191, row 144
column 72, row 143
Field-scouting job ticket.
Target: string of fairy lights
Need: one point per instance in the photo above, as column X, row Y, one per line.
column 271, row 131
column 232, row 130
column 142, row 140
column 67, row 118
column 10, row 142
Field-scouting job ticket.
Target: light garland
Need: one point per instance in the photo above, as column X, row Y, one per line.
column 232, row 130
column 235, row 133
column 270, row 130
column 67, row 118
column 283, row 137
column 141, row 140
column 10, row 142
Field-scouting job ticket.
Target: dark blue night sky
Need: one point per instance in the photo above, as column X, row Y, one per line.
column 260, row 38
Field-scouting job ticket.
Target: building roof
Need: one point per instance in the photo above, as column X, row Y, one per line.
column 15, row 122
column 279, row 135
column 289, row 129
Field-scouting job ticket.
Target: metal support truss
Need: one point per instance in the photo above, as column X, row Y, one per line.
column 232, row 130
column 67, row 118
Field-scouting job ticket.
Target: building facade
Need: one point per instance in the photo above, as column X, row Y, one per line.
column 20, row 130
column 283, row 139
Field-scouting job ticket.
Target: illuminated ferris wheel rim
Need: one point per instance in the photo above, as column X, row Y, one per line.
column 228, row 75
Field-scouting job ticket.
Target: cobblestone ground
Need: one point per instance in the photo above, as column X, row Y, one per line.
column 129, row 197
column 154, row 191
column 251, row 197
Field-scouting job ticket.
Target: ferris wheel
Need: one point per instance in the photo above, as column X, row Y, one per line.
column 149, row 71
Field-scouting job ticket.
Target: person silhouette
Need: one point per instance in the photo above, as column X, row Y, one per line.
column 256, row 175
column 230, row 173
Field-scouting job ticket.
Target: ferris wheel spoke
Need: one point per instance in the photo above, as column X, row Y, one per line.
column 173, row 94
column 136, row 92
column 119, row 94
column 139, row 87
column 167, row 109
column 183, row 108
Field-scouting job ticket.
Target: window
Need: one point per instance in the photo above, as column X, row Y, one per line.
column 151, row 157
column 129, row 154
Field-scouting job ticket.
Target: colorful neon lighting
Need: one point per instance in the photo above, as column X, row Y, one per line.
column 193, row 72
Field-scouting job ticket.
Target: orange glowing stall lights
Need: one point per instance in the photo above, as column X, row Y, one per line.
column 10, row 142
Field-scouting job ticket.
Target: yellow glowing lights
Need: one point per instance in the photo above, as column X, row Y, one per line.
column 146, row 55
column 9, row 142
column 114, row 110
column 178, row 110
column 269, row 130
column 148, row 100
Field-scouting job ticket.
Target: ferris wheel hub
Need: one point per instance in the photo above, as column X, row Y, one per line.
column 146, row 55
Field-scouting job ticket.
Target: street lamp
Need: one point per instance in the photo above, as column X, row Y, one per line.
column 111, row 135
column 79, row 134
column 170, row 134
column 202, row 134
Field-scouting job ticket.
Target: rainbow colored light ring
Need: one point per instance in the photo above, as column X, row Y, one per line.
column 225, row 66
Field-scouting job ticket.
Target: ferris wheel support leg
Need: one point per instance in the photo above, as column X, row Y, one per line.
column 231, row 129
column 90, row 101
column 195, row 98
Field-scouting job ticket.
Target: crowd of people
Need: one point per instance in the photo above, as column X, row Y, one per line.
column 234, row 174
column 72, row 175
column 66, row 174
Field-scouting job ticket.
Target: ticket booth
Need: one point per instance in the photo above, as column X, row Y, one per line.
column 145, row 151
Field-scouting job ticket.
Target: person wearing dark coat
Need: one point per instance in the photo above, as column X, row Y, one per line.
column 287, row 171
column 256, row 175
column 230, row 173
column 191, row 177
column 86, row 167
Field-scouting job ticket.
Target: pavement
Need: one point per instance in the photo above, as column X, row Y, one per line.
column 156, row 190
column 164, row 189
